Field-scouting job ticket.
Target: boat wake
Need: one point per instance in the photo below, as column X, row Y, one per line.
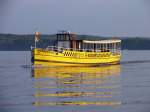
column 134, row 62
column 121, row 63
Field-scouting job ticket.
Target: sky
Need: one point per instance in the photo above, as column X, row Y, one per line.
column 91, row 17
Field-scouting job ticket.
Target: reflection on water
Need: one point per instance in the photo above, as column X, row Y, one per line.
column 77, row 86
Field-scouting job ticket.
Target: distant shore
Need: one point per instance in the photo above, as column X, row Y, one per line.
column 14, row 42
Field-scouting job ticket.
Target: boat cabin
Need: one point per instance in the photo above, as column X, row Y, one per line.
column 67, row 40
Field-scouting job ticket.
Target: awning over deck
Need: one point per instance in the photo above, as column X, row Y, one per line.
column 102, row 41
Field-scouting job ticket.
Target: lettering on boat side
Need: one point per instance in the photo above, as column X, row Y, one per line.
column 99, row 55
column 44, row 52
column 73, row 54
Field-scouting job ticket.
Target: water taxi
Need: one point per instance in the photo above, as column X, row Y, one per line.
column 70, row 51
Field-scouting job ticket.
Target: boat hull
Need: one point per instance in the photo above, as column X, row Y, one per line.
column 74, row 58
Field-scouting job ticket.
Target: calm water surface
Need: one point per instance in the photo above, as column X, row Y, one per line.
column 115, row 88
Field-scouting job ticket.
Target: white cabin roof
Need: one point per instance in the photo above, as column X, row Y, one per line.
column 102, row 41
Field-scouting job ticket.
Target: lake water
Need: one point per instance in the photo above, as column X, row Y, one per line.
column 115, row 88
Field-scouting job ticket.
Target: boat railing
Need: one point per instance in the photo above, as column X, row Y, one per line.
column 61, row 49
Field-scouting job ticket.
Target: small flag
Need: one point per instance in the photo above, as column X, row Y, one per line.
column 37, row 36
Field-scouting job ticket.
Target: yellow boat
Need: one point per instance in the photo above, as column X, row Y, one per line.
column 68, row 51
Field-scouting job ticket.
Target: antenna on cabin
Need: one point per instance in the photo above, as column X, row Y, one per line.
column 64, row 32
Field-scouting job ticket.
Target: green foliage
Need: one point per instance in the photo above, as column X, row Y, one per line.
column 23, row 42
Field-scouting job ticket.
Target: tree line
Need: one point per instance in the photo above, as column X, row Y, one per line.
column 14, row 42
